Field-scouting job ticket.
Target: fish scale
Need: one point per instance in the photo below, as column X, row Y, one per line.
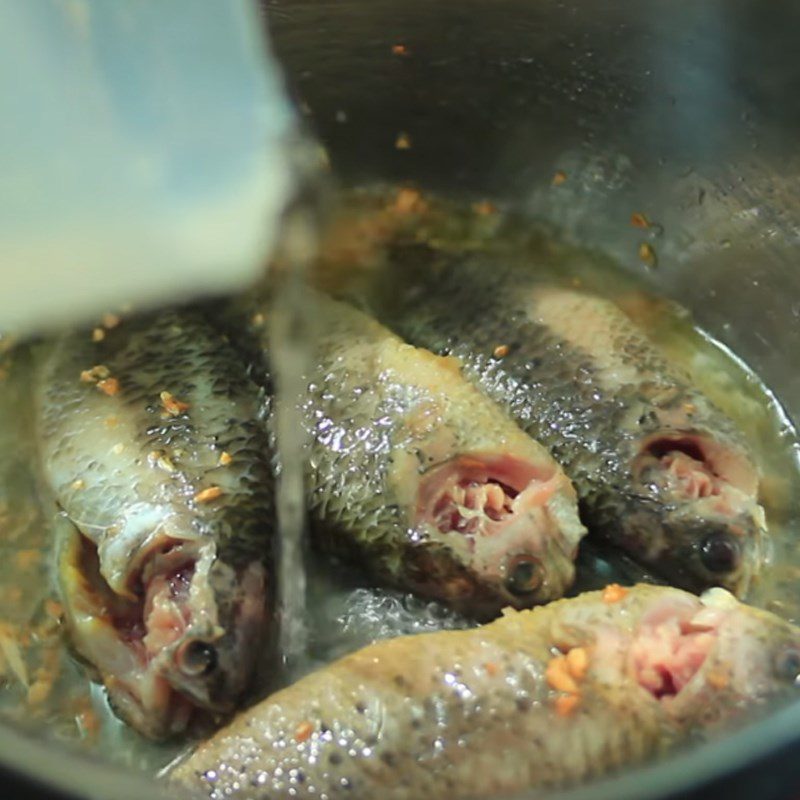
column 142, row 355
column 138, row 482
column 593, row 408
column 467, row 714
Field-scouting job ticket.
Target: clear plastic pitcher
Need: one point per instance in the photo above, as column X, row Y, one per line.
column 144, row 153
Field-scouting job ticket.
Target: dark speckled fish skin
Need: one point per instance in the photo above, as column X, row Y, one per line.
column 129, row 474
column 592, row 393
column 380, row 416
column 473, row 714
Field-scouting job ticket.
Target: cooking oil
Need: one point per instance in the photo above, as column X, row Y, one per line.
column 327, row 609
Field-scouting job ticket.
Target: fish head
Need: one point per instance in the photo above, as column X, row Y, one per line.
column 695, row 511
column 180, row 641
column 508, row 527
column 708, row 659
column 760, row 650
column 211, row 659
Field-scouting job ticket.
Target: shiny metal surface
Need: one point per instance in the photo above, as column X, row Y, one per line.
column 685, row 112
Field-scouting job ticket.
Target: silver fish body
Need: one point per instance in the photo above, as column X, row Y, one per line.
column 151, row 444
column 427, row 484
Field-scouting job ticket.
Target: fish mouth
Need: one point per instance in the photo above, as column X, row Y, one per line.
column 671, row 655
column 507, row 517
column 699, row 657
column 161, row 653
column 700, row 466
column 713, row 521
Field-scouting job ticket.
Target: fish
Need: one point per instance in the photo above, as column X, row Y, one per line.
column 538, row 699
column 151, row 445
column 419, row 479
column 660, row 471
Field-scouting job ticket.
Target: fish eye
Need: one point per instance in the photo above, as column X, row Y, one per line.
column 524, row 575
column 787, row 665
column 197, row 658
column 719, row 553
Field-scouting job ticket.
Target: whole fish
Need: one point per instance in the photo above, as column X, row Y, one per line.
column 421, row 479
column 659, row 470
column 538, row 699
column 151, row 443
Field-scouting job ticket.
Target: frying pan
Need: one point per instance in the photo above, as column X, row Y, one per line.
column 685, row 111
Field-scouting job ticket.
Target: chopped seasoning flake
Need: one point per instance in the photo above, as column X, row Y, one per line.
column 492, row 669
column 303, row 732
column 566, row 704
column 559, row 177
column 577, row 663
column 647, row 254
column 96, row 373
column 161, row 460
column 639, row 220
column 53, row 608
column 40, row 690
column 98, row 334
column 403, row 141
column 172, row 405
column 78, row 484
column 689, row 408
column 207, row 495
column 501, row 351
column 717, row 679
column 408, row 201
column 613, row 593
column 110, row 321
column 225, row 458
column 109, row 386
column 399, row 50
column 165, row 463
column 28, row 558
column 558, row 677
column 88, row 723
column 484, row 208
